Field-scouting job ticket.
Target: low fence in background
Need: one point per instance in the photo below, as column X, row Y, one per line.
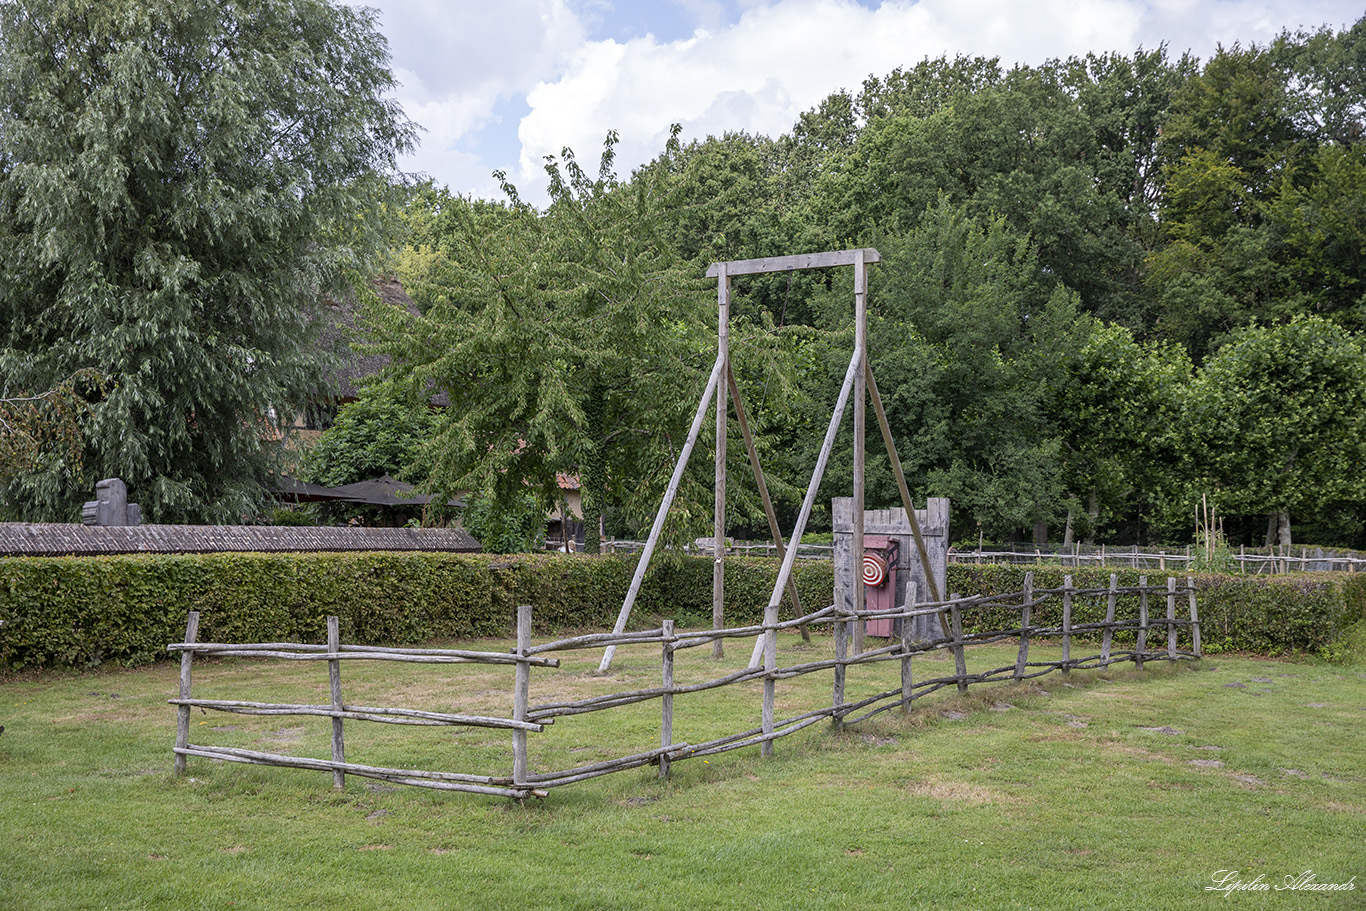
column 1267, row 560
column 527, row 718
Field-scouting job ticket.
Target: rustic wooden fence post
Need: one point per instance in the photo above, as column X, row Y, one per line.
column 1066, row 625
column 1195, row 619
column 770, row 666
column 334, row 682
column 1108, row 637
column 1142, row 638
column 907, row 686
column 666, row 729
column 521, row 694
column 1171, row 617
column 1027, row 600
column 960, row 660
column 841, row 654
column 182, row 725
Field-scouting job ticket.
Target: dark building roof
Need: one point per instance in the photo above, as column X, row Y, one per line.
column 56, row 540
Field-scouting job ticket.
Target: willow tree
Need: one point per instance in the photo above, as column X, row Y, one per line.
column 180, row 185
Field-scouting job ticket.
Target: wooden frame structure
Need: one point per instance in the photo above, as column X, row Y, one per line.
column 858, row 381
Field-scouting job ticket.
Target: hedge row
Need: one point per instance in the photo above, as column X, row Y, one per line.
column 82, row 611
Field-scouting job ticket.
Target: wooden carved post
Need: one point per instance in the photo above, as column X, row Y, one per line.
column 907, row 686
column 182, row 724
column 1171, row 617
column 1022, row 660
column 960, row 660
column 1195, row 619
column 1109, row 634
column 521, row 694
column 334, row 682
column 666, row 730
column 1066, row 625
column 718, row 570
column 1142, row 622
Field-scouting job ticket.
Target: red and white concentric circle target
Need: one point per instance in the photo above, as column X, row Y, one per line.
column 874, row 569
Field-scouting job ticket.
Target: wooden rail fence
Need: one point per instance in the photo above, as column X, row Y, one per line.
column 534, row 718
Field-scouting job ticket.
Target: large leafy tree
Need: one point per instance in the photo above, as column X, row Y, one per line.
column 570, row 340
column 1275, row 423
column 180, row 184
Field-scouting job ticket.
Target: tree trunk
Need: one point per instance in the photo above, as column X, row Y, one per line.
column 1271, row 524
column 1092, row 510
column 1040, row 532
column 1283, row 528
column 1067, row 531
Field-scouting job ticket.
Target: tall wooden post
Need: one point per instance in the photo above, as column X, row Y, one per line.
column 182, row 725
column 860, row 449
column 1171, row 617
column 718, row 569
column 907, row 685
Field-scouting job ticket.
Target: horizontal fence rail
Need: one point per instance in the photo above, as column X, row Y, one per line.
column 1179, row 621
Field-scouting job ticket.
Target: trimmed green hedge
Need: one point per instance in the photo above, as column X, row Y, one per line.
column 1265, row 614
column 81, row 611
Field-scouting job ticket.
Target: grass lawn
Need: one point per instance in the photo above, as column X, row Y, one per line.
column 1116, row 789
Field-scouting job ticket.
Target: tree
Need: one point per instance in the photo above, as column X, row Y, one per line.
column 1275, row 422
column 179, row 187
column 573, row 340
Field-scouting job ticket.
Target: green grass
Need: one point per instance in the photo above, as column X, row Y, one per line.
column 1057, row 794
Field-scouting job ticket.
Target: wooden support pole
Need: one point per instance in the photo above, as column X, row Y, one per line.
column 1195, row 619
column 860, row 441
column 521, row 695
column 1142, row 622
column 666, row 729
column 643, row 563
column 1109, row 634
column 907, row 685
column 742, row 418
column 718, row 567
column 182, row 726
column 1066, row 625
column 904, row 490
column 960, row 660
column 785, row 571
column 1026, row 610
column 334, row 685
column 1171, row 617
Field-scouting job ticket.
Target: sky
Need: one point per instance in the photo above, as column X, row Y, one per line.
column 499, row 84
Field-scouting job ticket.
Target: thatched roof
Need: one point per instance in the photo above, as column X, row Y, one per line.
column 344, row 329
column 56, row 540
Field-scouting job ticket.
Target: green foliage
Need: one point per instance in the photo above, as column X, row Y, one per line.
column 46, row 426
column 83, row 611
column 375, row 435
column 570, row 340
column 1276, row 420
column 178, row 189
column 516, row 527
